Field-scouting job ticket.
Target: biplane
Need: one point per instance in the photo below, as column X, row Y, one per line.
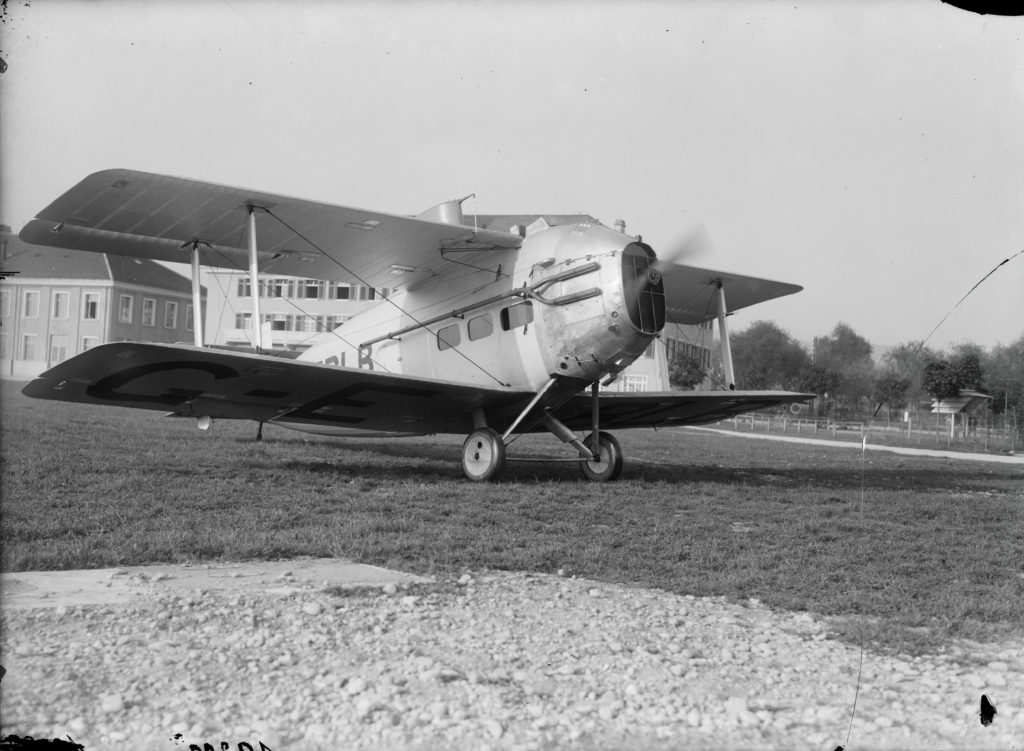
column 486, row 333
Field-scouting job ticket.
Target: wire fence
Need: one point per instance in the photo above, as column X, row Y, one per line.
column 984, row 433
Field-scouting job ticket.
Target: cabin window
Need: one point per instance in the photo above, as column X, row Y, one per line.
column 88, row 342
column 189, row 318
column 448, row 337
column 480, row 327
column 171, row 315
column 516, row 315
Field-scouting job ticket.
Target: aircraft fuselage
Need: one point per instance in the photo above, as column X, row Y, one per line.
column 577, row 301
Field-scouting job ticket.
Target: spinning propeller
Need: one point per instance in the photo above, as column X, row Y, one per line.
column 694, row 242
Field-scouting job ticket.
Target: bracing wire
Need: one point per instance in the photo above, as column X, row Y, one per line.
column 860, row 510
column 388, row 299
column 234, row 266
column 263, row 285
column 709, row 373
column 227, row 299
column 864, row 446
column 977, row 284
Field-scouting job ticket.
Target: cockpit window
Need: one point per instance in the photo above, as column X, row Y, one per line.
column 515, row 316
column 480, row 327
column 448, row 337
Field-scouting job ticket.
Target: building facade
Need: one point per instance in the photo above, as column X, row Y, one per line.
column 650, row 371
column 293, row 310
column 58, row 303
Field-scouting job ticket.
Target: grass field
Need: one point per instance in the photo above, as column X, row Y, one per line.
column 904, row 551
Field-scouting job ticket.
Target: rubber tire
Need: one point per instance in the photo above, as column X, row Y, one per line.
column 610, row 452
column 483, row 455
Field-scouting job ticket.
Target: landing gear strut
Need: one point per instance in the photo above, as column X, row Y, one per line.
column 600, row 455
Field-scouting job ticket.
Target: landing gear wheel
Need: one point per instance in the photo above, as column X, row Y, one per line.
column 483, row 455
column 609, row 462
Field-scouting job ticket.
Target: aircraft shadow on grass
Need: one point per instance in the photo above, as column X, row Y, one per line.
column 403, row 462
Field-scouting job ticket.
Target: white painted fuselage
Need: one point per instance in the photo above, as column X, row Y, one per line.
column 558, row 306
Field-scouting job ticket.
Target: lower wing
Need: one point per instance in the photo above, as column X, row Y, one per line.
column 198, row 382
column 668, row 408
column 201, row 382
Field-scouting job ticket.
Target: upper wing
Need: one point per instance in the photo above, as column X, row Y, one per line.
column 668, row 408
column 190, row 381
column 690, row 292
column 156, row 216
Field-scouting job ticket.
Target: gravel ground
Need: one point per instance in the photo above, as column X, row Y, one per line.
column 493, row 661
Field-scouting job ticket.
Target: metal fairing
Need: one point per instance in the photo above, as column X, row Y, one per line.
column 591, row 336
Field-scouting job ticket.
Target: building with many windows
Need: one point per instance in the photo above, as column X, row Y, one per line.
column 293, row 310
column 57, row 303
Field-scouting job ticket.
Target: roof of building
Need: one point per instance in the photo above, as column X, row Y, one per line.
column 967, row 401
column 41, row 262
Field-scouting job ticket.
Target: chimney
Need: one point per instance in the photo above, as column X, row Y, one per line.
column 620, row 225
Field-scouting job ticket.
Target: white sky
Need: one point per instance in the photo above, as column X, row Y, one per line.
column 872, row 152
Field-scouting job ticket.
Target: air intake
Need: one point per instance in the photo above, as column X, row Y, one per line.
column 643, row 288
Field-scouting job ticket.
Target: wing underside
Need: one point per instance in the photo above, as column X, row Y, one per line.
column 670, row 408
column 195, row 382
column 145, row 215
column 691, row 292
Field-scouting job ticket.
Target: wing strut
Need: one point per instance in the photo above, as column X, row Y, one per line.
column 197, row 297
column 723, row 334
column 254, row 283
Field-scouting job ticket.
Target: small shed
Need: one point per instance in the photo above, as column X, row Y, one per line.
column 967, row 403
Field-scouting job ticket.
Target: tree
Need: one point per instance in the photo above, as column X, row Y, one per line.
column 848, row 355
column 908, row 360
column 815, row 379
column 969, row 373
column 941, row 379
column 891, row 389
column 1004, row 376
column 685, row 371
column 946, row 378
column 767, row 357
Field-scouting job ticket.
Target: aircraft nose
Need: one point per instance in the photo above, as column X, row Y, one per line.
column 643, row 288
